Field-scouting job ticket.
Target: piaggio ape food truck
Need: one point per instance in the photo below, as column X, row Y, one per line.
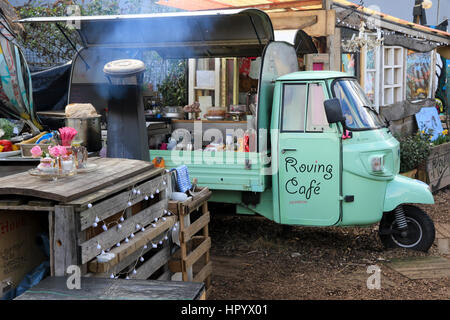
column 321, row 156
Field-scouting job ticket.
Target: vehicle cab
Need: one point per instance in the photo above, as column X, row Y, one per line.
column 334, row 173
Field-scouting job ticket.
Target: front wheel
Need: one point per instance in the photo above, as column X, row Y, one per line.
column 419, row 234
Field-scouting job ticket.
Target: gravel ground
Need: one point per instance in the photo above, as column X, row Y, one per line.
column 255, row 258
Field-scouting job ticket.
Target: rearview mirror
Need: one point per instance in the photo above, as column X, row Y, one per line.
column 333, row 111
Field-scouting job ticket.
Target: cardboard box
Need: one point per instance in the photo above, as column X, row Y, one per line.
column 20, row 252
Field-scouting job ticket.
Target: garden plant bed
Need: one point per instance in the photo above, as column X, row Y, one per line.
column 257, row 259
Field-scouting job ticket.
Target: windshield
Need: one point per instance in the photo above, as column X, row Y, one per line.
column 358, row 111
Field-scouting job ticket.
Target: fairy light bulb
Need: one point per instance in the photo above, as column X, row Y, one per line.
column 138, row 226
column 134, row 191
column 95, row 224
column 127, row 278
column 122, row 219
column 146, row 197
column 104, row 227
column 119, row 226
column 157, row 190
column 153, row 225
column 142, row 229
column 163, row 218
column 138, row 192
column 103, row 252
column 89, row 205
column 160, row 242
column 132, row 235
column 141, row 259
column 145, row 247
column 126, row 240
column 152, row 196
column 129, row 203
column 112, row 276
column 134, row 271
column 166, row 237
column 99, row 246
column 154, row 245
column 118, row 244
column 97, row 219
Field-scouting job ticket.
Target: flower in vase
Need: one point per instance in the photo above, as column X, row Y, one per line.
column 36, row 152
column 57, row 151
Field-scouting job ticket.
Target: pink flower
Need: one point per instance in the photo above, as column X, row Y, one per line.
column 36, row 152
column 57, row 151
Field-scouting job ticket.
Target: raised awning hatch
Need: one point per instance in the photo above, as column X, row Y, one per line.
column 223, row 33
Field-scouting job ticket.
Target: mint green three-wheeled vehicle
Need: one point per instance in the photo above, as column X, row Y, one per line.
column 321, row 156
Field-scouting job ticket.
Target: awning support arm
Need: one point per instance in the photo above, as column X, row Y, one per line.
column 254, row 28
column 71, row 43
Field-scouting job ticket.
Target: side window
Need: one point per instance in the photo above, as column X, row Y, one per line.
column 316, row 117
column 294, row 101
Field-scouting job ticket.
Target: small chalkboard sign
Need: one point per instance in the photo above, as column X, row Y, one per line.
column 428, row 121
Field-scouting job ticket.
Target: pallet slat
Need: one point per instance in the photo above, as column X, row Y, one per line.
column 153, row 264
column 117, row 187
column 112, row 236
column 109, row 267
column 200, row 223
column 198, row 252
column 140, row 239
column 204, row 273
column 118, row 203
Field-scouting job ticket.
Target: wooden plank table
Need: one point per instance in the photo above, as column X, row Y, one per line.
column 74, row 205
column 109, row 171
column 55, row 288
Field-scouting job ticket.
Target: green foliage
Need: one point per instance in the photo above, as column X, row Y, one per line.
column 414, row 150
column 8, row 129
column 46, row 40
column 173, row 88
column 443, row 137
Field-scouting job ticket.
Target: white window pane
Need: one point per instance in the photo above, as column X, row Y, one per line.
column 317, row 118
column 294, row 99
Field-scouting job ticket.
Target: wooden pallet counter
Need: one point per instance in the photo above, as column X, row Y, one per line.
column 120, row 208
column 193, row 257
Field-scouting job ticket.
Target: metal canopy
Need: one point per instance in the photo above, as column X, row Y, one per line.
column 177, row 35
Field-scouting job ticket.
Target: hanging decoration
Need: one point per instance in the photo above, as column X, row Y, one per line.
column 355, row 44
column 155, row 243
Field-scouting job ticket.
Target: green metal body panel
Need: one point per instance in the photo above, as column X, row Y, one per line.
column 406, row 190
column 229, row 174
column 367, row 188
column 228, row 170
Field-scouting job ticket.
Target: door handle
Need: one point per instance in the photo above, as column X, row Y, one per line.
column 283, row 151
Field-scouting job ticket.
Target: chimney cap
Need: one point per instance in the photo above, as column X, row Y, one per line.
column 124, row 67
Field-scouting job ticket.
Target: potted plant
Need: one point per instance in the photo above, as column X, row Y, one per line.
column 435, row 170
column 414, row 150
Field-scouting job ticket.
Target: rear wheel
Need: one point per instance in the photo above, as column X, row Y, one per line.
column 419, row 234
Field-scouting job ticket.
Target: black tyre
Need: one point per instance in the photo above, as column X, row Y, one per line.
column 419, row 236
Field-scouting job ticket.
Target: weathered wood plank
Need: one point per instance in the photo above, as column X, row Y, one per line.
column 204, row 273
column 195, row 227
column 198, row 252
column 65, row 248
column 117, row 187
column 118, row 203
column 106, row 268
column 438, row 167
column 140, row 239
column 112, row 236
column 153, row 264
column 109, row 172
column 422, row 267
column 55, row 288
column 27, row 208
